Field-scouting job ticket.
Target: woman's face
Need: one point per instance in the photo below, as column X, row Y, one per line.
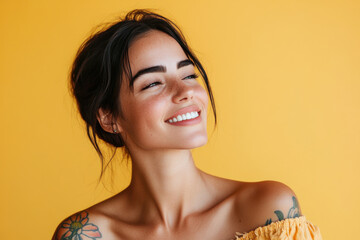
column 164, row 88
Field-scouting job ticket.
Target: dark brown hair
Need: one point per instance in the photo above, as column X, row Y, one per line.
column 102, row 62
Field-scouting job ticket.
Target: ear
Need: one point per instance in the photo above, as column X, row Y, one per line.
column 108, row 122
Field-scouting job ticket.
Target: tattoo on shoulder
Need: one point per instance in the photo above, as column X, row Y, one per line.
column 293, row 212
column 78, row 227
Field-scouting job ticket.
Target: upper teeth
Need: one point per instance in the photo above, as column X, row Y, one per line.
column 185, row 116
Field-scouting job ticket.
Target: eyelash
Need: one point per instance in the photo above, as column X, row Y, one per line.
column 192, row 76
column 151, row 85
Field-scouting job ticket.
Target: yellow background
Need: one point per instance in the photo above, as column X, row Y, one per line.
column 286, row 79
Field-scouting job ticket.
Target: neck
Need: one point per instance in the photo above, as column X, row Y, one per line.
column 168, row 186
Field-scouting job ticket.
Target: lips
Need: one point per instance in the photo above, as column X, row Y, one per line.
column 189, row 109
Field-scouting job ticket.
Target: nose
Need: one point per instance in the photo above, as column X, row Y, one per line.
column 182, row 92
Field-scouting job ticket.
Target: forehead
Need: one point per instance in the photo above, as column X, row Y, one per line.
column 154, row 48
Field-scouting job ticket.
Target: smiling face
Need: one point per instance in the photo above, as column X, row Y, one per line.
column 167, row 107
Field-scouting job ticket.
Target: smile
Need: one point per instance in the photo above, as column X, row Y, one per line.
column 185, row 116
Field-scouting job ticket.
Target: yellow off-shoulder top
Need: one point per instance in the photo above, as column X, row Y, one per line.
column 288, row 229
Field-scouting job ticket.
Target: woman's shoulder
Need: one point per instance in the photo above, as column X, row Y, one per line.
column 261, row 203
column 81, row 225
column 91, row 223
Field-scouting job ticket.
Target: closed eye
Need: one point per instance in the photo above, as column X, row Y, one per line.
column 151, row 85
column 192, row 76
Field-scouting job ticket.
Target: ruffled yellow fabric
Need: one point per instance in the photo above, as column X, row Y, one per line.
column 289, row 229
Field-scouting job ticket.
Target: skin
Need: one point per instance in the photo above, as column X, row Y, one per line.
column 169, row 197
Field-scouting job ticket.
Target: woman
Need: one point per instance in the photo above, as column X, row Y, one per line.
column 136, row 86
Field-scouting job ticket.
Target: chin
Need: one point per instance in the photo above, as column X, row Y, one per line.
column 185, row 141
column 195, row 142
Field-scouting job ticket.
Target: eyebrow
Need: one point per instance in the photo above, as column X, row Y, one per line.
column 159, row 68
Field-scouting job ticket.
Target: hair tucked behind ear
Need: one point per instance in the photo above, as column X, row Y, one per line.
column 102, row 63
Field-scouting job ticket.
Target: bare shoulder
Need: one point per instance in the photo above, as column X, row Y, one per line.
column 81, row 225
column 261, row 203
column 93, row 223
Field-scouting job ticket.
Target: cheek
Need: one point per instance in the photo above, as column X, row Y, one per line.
column 142, row 114
column 203, row 96
column 152, row 110
column 142, row 119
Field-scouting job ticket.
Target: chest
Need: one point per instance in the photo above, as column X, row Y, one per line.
column 217, row 224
